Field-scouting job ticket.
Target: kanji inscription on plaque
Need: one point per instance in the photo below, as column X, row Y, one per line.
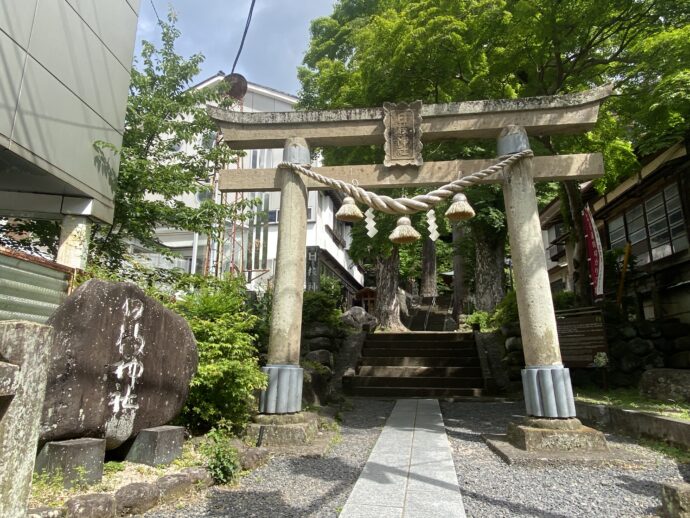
column 403, row 132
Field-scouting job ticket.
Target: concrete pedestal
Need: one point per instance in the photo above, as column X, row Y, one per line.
column 283, row 430
column 156, row 446
column 555, row 435
column 78, row 461
column 75, row 234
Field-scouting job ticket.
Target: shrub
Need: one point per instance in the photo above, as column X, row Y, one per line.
column 228, row 374
column 220, row 457
column 323, row 305
column 564, row 300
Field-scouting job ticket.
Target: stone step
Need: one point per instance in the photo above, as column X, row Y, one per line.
column 404, row 392
column 420, row 343
column 405, row 382
column 421, row 335
column 433, row 372
column 455, row 352
column 421, row 361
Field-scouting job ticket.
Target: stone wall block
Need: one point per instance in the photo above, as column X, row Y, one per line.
column 136, row 498
column 94, row 505
column 26, row 345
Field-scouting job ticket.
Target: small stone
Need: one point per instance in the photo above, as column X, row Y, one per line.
column 174, row 486
column 200, row 477
column 676, row 500
column 252, row 458
column 136, row 498
column 94, row 505
column 630, row 362
column 358, row 318
column 514, row 343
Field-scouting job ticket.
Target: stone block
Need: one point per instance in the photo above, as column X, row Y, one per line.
column 94, row 505
column 155, row 446
column 252, row 458
column 675, row 498
column 136, row 498
column 531, row 438
column 283, row 430
column 173, row 487
column 78, row 461
column 25, row 345
column 200, row 477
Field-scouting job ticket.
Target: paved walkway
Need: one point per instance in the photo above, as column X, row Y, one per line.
column 410, row 472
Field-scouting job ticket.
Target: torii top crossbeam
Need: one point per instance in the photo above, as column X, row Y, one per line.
column 566, row 114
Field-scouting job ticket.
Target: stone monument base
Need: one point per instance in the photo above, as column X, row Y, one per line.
column 538, row 441
column 156, row 446
column 77, row 461
column 535, row 434
column 283, row 429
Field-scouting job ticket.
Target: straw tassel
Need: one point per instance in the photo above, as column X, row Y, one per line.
column 404, row 233
column 460, row 209
column 349, row 211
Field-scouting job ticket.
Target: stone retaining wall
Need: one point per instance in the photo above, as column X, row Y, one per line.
column 636, row 424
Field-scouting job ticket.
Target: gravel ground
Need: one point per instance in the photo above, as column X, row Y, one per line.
column 301, row 487
column 491, row 488
column 289, row 486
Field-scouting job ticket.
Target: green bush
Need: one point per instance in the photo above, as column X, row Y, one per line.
column 223, row 389
column 564, row 300
column 220, row 457
column 506, row 311
column 323, row 305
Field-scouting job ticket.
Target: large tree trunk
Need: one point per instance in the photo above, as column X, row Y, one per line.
column 428, row 288
column 488, row 274
column 458, row 273
column 387, row 306
column 580, row 282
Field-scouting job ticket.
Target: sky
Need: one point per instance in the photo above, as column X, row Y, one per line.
column 276, row 42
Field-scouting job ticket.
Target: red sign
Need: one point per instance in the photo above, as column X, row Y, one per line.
column 595, row 254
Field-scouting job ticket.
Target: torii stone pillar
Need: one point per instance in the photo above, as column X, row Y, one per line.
column 284, row 392
column 546, row 383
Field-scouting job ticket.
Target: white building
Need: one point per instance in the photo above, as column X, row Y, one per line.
column 64, row 85
column 250, row 247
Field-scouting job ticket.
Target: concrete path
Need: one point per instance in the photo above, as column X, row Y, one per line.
column 410, row 472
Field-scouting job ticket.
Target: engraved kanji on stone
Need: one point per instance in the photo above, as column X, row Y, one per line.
column 402, row 122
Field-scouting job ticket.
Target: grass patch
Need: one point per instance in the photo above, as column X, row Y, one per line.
column 630, row 399
column 680, row 455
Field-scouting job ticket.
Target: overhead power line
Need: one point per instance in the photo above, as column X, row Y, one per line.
column 244, row 35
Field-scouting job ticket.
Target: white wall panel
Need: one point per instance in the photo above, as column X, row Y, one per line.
column 16, row 19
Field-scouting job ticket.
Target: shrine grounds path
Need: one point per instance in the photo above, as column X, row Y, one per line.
column 291, row 486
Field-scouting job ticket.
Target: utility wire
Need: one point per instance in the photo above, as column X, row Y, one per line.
column 246, row 29
column 155, row 12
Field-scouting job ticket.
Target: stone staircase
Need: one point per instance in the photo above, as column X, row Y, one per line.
column 417, row 364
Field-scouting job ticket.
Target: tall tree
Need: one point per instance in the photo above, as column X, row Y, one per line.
column 555, row 47
column 168, row 151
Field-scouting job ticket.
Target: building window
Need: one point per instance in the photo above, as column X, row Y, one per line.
column 310, row 213
column 273, row 216
column 655, row 228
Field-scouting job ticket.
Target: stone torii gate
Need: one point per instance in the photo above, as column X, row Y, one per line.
column 546, row 383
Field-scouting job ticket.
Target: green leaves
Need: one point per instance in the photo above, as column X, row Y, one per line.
column 228, row 374
column 168, row 153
